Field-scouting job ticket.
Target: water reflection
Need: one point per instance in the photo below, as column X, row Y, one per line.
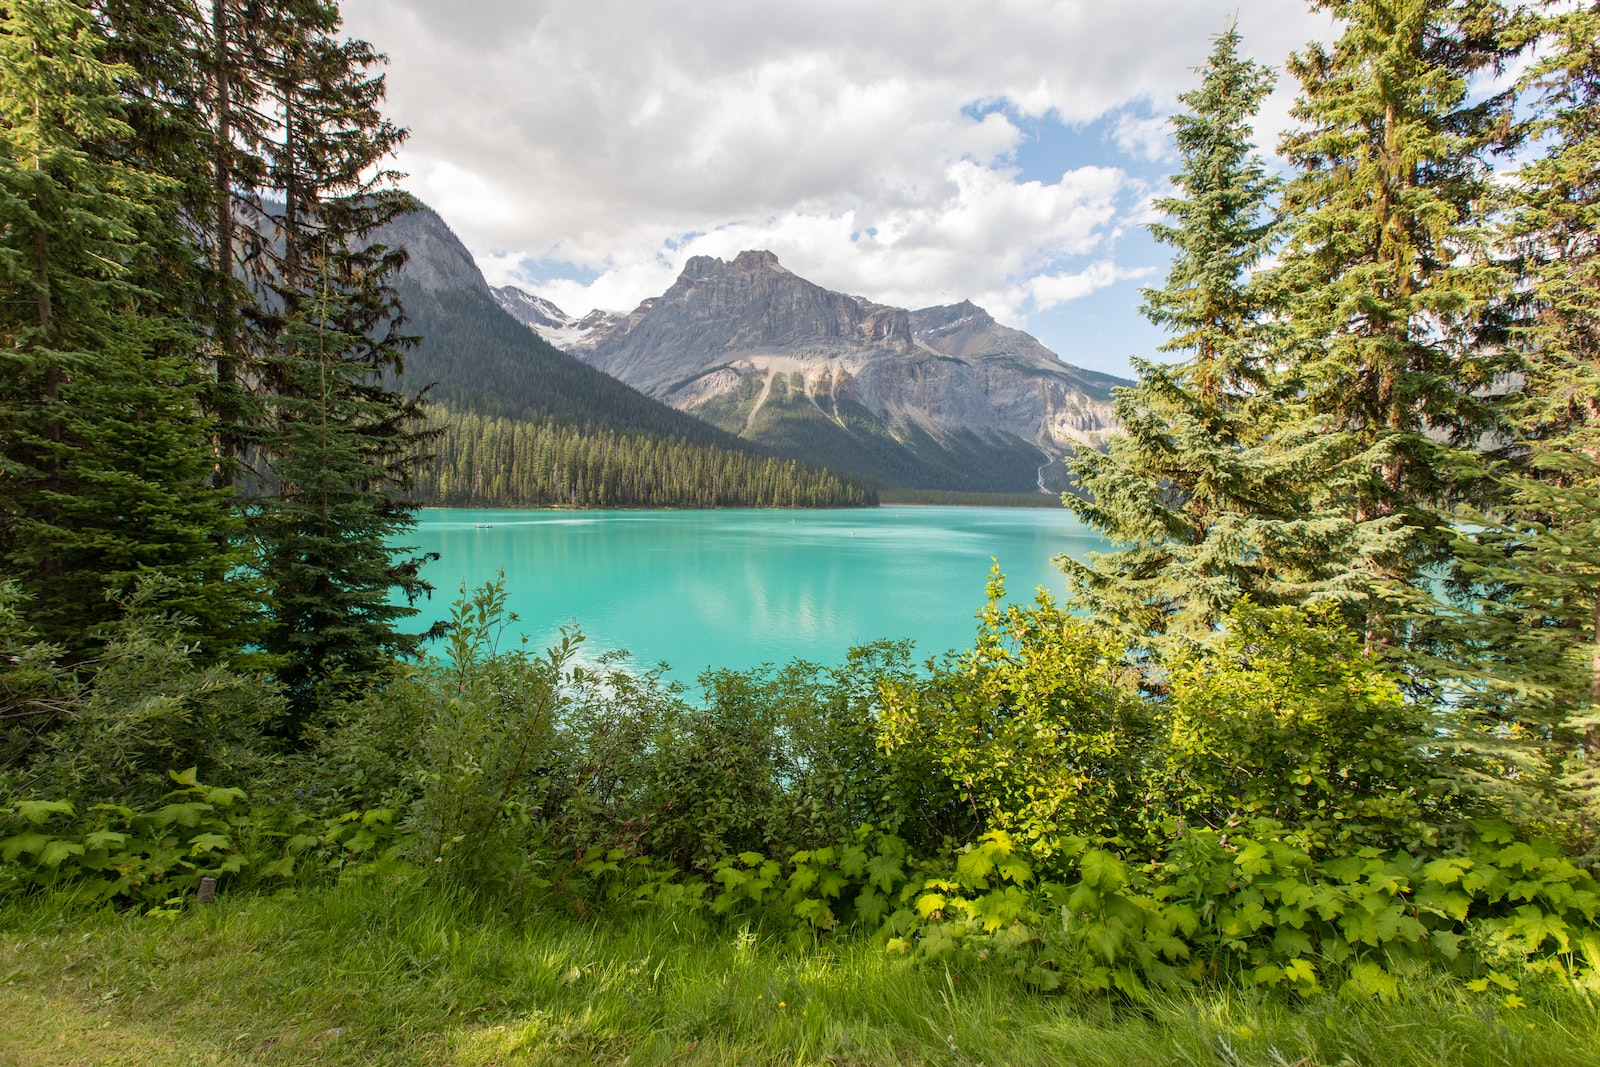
column 739, row 588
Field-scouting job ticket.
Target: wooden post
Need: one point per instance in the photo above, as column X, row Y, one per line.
column 207, row 891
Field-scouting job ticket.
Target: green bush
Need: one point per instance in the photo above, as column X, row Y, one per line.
column 1039, row 731
column 109, row 730
column 484, row 749
column 1286, row 717
column 774, row 761
column 155, row 857
column 36, row 690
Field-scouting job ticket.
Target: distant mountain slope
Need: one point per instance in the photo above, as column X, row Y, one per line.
column 485, row 361
column 550, row 322
column 940, row 398
column 526, row 424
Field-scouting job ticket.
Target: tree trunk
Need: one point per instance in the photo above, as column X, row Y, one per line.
column 222, row 257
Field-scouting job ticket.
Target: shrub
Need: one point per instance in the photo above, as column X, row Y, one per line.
column 151, row 704
column 1038, row 731
column 484, row 747
column 1287, row 718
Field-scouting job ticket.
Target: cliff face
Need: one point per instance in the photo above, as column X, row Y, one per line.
column 717, row 313
column 726, row 329
column 436, row 260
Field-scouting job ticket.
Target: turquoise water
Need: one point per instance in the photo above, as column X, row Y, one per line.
column 740, row 588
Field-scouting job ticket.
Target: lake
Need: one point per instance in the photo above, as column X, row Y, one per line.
column 740, row 588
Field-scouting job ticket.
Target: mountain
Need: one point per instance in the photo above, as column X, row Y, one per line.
column 550, row 322
column 524, row 424
column 938, row 398
column 482, row 360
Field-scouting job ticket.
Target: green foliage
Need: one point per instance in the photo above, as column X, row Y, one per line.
column 105, row 731
column 103, row 452
column 154, row 858
column 483, row 749
column 148, row 702
column 852, row 884
column 36, row 689
column 773, row 761
column 1039, row 731
column 1287, row 718
column 493, row 462
column 1395, row 306
column 147, row 858
column 1534, row 557
column 1252, row 906
column 1256, row 906
column 1190, row 492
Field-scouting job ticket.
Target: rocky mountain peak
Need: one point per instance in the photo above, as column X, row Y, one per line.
column 747, row 262
column 531, row 310
column 754, row 259
column 699, row 267
column 934, row 320
column 750, row 302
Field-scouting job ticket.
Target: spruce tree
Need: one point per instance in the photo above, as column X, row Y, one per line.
column 1536, row 556
column 337, row 447
column 102, row 448
column 1396, row 304
column 1185, row 491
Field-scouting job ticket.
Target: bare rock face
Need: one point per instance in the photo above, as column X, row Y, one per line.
column 753, row 348
column 940, row 369
column 436, row 260
column 718, row 312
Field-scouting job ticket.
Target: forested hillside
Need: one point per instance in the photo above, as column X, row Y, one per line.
column 480, row 361
column 485, row 461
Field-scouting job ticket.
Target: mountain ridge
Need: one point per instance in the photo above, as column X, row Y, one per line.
column 939, row 398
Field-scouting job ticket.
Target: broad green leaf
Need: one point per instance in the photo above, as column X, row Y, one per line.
column 38, row 811
column 201, row 844
column 973, row 868
column 1103, row 870
column 31, row 843
column 58, row 850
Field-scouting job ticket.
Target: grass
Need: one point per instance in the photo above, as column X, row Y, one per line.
column 385, row 973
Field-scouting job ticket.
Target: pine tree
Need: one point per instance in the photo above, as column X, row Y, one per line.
column 102, row 449
column 1395, row 305
column 1185, row 489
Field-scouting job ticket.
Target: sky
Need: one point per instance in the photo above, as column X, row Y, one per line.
column 911, row 153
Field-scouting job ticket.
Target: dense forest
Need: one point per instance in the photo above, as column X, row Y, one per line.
column 1315, row 744
column 491, row 462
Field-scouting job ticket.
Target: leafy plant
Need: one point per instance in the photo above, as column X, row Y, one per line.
column 1284, row 716
column 483, row 748
column 150, row 858
column 1038, row 730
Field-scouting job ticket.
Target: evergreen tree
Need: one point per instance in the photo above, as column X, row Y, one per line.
column 1395, row 303
column 1186, row 490
column 102, row 450
column 1537, row 555
column 337, row 446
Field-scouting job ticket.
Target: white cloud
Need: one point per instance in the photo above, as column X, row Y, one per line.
column 621, row 136
column 1147, row 137
column 1048, row 290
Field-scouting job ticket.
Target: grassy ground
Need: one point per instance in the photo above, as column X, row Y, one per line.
column 384, row 973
